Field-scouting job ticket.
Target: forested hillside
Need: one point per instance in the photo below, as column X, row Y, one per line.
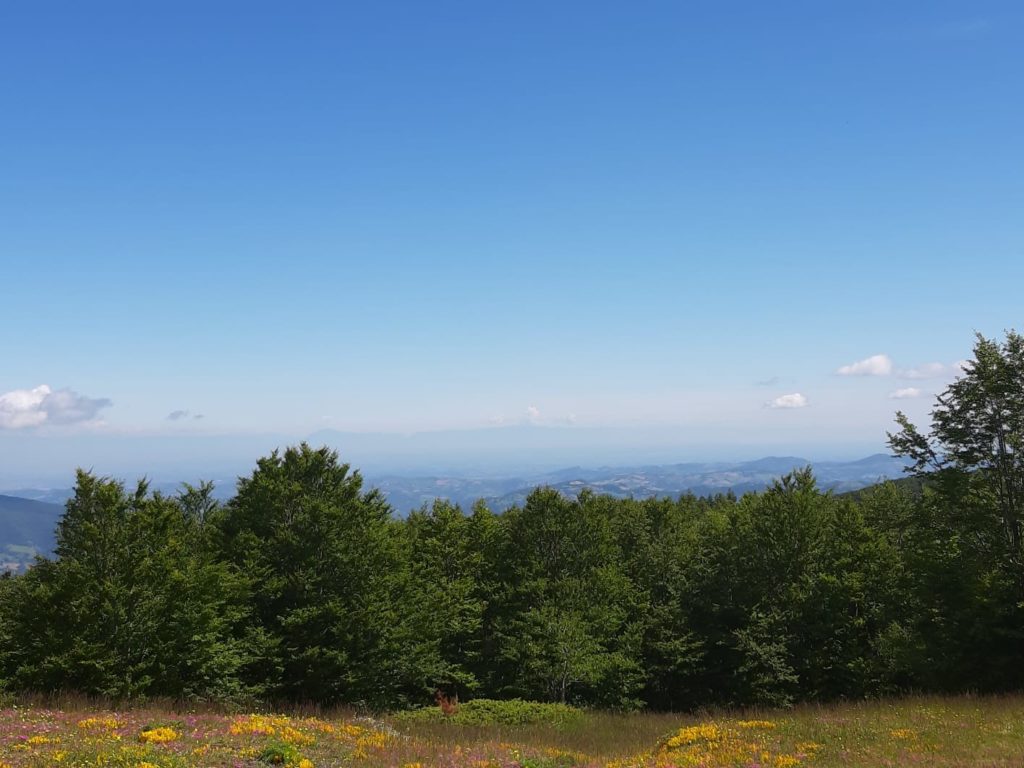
column 26, row 529
column 305, row 587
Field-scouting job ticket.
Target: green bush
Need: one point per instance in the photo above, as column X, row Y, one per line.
column 494, row 712
column 280, row 753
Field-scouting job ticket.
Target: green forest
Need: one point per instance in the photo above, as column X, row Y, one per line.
column 305, row 587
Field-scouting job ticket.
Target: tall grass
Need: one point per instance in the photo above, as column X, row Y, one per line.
column 74, row 731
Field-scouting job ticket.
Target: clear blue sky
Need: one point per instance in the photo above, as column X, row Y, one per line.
column 436, row 215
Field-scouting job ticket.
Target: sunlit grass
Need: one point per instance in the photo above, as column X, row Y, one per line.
column 978, row 732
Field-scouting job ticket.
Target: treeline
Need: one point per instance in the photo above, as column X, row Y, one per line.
column 305, row 587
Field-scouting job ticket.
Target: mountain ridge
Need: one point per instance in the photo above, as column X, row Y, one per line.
column 28, row 517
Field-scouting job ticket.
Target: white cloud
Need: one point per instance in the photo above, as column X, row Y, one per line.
column 25, row 408
column 22, row 408
column 876, row 365
column 532, row 414
column 795, row 400
column 906, row 393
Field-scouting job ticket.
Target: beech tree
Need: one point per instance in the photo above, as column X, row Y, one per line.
column 443, row 599
column 562, row 604
column 975, row 447
column 319, row 557
column 135, row 604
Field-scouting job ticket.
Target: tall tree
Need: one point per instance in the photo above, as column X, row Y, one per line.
column 563, row 604
column 442, row 599
column 975, row 447
column 320, row 559
column 134, row 604
column 964, row 542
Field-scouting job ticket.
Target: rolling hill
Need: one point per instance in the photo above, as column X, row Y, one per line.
column 27, row 528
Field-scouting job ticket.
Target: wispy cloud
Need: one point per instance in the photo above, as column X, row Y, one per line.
column 906, row 393
column 179, row 415
column 934, row 370
column 882, row 365
column 924, row 371
column 42, row 406
column 532, row 414
column 771, row 381
column 876, row 365
column 794, row 400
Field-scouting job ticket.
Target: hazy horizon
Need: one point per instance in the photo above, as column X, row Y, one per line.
column 487, row 452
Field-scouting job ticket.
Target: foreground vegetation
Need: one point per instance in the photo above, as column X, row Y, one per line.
column 305, row 588
column 961, row 732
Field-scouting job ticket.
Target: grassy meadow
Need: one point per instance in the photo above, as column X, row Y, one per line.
column 978, row 732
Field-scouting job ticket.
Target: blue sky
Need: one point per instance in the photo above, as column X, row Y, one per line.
column 419, row 216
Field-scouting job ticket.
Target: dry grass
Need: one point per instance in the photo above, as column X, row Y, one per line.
column 935, row 732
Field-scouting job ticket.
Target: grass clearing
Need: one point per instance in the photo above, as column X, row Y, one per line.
column 985, row 732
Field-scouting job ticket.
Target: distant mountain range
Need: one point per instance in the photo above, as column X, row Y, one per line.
column 28, row 516
column 408, row 493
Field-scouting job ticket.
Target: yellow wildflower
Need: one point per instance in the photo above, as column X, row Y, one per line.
column 158, row 735
column 693, row 734
column 38, row 739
